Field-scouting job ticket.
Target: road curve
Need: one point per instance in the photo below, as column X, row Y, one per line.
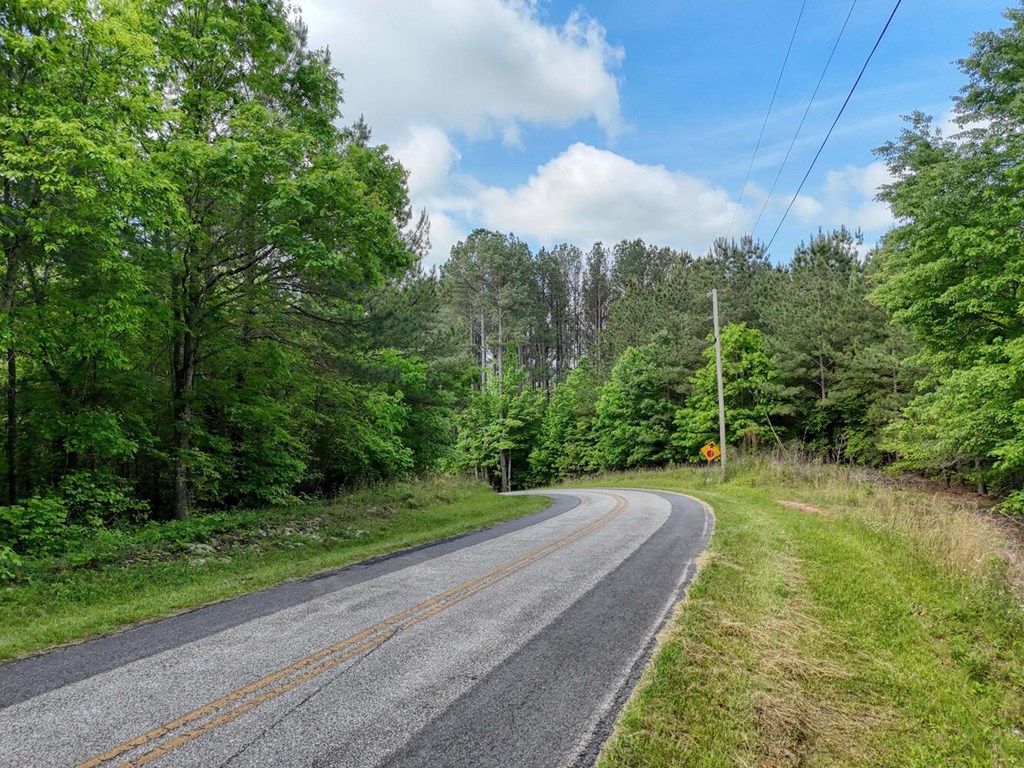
column 511, row 646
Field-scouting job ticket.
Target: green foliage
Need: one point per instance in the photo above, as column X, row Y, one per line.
column 752, row 395
column 844, row 365
column 10, row 563
column 95, row 498
column 815, row 364
column 35, row 525
column 634, row 410
column 203, row 271
column 1013, row 504
column 503, row 420
column 952, row 270
column 565, row 447
column 83, row 502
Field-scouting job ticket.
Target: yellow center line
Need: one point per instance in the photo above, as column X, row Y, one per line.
column 308, row 667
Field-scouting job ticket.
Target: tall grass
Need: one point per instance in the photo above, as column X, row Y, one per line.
column 955, row 530
column 842, row 618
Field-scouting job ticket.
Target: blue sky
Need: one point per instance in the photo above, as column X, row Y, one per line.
column 603, row 120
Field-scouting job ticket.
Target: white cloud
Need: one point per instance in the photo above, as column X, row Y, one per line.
column 951, row 129
column 476, row 67
column 587, row 194
column 428, row 155
column 947, row 124
column 807, row 209
column 849, row 198
column 444, row 233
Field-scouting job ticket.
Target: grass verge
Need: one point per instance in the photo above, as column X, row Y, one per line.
column 837, row 622
column 118, row 578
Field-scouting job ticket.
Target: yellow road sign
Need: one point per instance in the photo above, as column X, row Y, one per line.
column 710, row 451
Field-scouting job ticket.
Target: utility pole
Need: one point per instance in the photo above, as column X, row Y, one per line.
column 721, row 390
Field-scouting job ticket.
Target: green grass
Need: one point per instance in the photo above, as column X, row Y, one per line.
column 870, row 627
column 117, row 578
column 866, row 626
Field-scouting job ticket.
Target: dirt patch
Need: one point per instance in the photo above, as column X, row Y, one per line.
column 804, row 507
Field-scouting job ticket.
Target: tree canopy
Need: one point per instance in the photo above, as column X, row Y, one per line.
column 212, row 295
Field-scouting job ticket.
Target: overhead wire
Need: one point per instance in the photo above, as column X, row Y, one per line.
column 803, row 119
column 767, row 115
column 828, row 135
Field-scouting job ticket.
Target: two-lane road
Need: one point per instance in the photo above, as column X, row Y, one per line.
column 511, row 646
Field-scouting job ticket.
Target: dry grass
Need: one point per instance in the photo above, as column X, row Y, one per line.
column 796, row 700
column 803, row 507
column 954, row 530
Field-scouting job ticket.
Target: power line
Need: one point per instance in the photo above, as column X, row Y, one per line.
column 804, row 118
column 766, row 116
column 828, row 135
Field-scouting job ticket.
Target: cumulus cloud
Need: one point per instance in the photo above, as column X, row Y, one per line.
column 849, row 198
column 428, row 154
column 444, row 233
column 587, row 194
column 807, row 209
column 476, row 67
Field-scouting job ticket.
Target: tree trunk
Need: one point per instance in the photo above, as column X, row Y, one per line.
column 504, row 465
column 483, row 353
column 501, row 348
column 186, row 356
column 10, row 286
column 183, row 382
column 502, row 453
column 12, row 427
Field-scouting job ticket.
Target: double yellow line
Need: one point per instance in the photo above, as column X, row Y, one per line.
column 238, row 702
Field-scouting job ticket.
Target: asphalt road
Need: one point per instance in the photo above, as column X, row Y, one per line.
column 512, row 646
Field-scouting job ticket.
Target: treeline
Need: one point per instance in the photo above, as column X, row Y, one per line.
column 911, row 356
column 604, row 360
column 210, row 291
column 211, row 295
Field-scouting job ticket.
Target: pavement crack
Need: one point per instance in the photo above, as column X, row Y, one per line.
column 305, row 700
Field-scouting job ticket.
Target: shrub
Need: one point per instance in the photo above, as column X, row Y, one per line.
column 35, row 526
column 95, row 498
column 9, row 563
column 1014, row 504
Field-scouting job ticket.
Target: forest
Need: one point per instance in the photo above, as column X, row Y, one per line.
column 213, row 296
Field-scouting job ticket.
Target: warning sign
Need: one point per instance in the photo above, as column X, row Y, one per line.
column 710, row 451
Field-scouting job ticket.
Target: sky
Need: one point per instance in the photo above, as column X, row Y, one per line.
column 603, row 120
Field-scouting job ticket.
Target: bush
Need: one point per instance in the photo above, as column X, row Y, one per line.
column 35, row 526
column 1013, row 504
column 9, row 563
column 97, row 498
